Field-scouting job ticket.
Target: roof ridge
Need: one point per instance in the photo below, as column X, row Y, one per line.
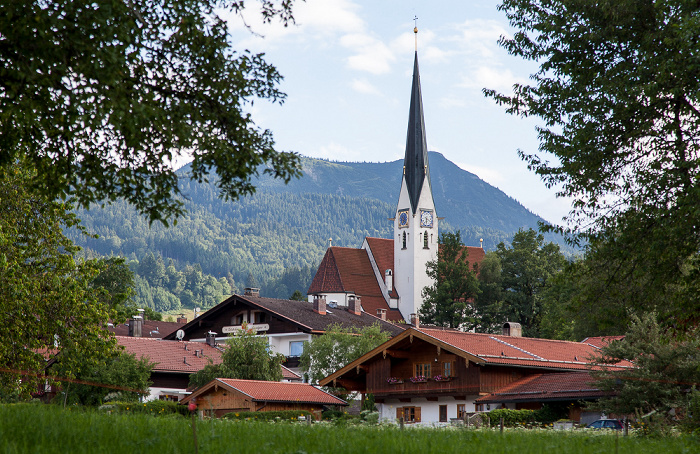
column 517, row 348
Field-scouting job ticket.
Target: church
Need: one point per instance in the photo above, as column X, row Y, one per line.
column 388, row 275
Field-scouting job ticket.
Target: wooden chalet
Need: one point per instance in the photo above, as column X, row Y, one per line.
column 225, row 395
column 435, row 375
column 287, row 324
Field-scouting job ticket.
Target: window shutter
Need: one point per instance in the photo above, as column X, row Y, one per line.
column 417, row 414
column 399, row 413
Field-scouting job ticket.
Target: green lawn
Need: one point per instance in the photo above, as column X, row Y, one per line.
column 51, row 429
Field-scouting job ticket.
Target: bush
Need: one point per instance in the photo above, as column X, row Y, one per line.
column 510, row 417
column 153, row 407
column 332, row 414
column 284, row 415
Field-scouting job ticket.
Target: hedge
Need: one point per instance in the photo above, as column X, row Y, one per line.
column 153, row 407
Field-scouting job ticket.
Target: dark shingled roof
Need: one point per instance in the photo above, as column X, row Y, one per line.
column 302, row 313
column 299, row 313
column 416, row 159
column 151, row 328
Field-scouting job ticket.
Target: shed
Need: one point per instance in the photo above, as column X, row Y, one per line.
column 226, row 395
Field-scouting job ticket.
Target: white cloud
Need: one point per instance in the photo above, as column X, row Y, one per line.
column 492, row 77
column 371, row 55
column 479, row 38
column 316, row 20
column 364, row 86
column 490, row 175
column 333, row 150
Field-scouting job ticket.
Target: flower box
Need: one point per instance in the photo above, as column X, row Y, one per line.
column 419, row 379
column 441, row 378
column 394, row 381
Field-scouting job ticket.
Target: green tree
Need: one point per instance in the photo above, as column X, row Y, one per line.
column 245, row 357
column 297, row 296
column 48, row 302
column 490, row 300
column 618, row 90
column 117, row 279
column 125, row 379
column 337, row 347
column 526, row 270
column 667, row 369
column 449, row 301
column 127, row 87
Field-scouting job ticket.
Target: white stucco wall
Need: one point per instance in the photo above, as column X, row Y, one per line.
column 430, row 411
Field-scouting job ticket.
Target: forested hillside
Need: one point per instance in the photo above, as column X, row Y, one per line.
column 287, row 227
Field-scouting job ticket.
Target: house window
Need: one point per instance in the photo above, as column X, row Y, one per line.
column 404, row 240
column 443, row 413
column 296, row 348
column 260, row 317
column 479, row 407
column 423, row 369
column 448, row 369
column 461, row 411
column 239, row 319
column 409, row 414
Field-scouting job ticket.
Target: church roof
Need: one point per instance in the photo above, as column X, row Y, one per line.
column 382, row 250
column 416, row 158
column 346, row 269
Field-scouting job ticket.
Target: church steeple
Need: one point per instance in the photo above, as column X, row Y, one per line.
column 416, row 158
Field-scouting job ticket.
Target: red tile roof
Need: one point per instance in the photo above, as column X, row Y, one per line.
column 601, row 341
column 327, row 278
column 522, row 351
column 288, row 374
column 271, row 391
column 547, row 387
column 171, row 356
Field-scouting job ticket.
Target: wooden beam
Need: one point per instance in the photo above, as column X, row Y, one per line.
column 398, row 353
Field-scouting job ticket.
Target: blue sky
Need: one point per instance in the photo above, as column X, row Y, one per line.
column 347, row 74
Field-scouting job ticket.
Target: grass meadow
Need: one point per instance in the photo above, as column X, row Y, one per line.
column 27, row 428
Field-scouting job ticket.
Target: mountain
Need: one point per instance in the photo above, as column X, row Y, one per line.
column 287, row 227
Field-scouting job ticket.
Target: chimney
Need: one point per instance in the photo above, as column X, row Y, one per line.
column 415, row 321
column 182, row 319
column 389, row 280
column 211, row 338
column 136, row 326
column 320, row 304
column 355, row 305
column 252, row 291
column 512, row 329
column 381, row 313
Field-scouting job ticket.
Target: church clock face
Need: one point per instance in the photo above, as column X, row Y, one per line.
column 426, row 218
column 403, row 219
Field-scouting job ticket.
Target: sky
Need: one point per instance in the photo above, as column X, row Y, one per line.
column 347, row 68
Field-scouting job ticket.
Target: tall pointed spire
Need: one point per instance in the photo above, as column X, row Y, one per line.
column 416, row 160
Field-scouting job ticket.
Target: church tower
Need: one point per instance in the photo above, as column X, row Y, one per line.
column 416, row 222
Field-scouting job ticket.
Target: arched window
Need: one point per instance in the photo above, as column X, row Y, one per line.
column 404, row 240
column 425, row 240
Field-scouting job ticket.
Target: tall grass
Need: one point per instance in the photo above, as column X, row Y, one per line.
column 50, row 429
